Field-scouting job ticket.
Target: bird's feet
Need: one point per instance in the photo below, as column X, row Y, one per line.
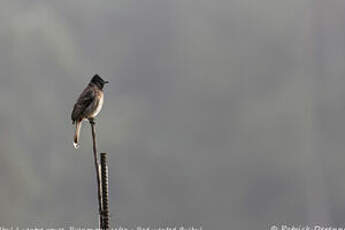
column 92, row 120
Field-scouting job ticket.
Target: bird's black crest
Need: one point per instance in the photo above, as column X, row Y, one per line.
column 97, row 80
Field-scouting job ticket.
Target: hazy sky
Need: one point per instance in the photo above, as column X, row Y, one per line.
column 220, row 114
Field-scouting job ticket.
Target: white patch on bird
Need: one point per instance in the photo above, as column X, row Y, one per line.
column 76, row 145
column 99, row 107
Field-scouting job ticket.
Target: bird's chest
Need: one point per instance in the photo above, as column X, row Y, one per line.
column 99, row 105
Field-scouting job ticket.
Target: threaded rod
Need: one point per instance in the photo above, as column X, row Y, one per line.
column 105, row 201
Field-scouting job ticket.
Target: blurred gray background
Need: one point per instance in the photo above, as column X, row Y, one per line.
column 221, row 114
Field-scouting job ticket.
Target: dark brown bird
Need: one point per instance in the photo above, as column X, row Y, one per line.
column 88, row 105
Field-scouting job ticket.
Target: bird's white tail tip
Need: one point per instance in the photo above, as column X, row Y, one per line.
column 76, row 145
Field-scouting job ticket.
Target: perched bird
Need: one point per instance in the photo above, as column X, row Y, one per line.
column 88, row 105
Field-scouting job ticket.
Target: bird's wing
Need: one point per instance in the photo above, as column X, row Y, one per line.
column 85, row 99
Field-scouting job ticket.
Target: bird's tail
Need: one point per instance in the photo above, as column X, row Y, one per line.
column 76, row 135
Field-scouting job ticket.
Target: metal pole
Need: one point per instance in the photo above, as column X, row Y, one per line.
column 92, row 123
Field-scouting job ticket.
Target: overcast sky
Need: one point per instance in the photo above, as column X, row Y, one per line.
column 220, row 114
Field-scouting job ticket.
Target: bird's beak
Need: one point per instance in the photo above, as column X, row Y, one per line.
column 106, row 82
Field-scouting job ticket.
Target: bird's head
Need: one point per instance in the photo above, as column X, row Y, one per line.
column 97, row 80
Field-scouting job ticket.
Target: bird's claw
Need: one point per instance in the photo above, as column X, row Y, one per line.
column 92, row 121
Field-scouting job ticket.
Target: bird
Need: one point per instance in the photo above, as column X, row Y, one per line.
column 88, row 105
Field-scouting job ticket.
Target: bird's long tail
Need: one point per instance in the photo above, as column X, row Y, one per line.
column 76, row 135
